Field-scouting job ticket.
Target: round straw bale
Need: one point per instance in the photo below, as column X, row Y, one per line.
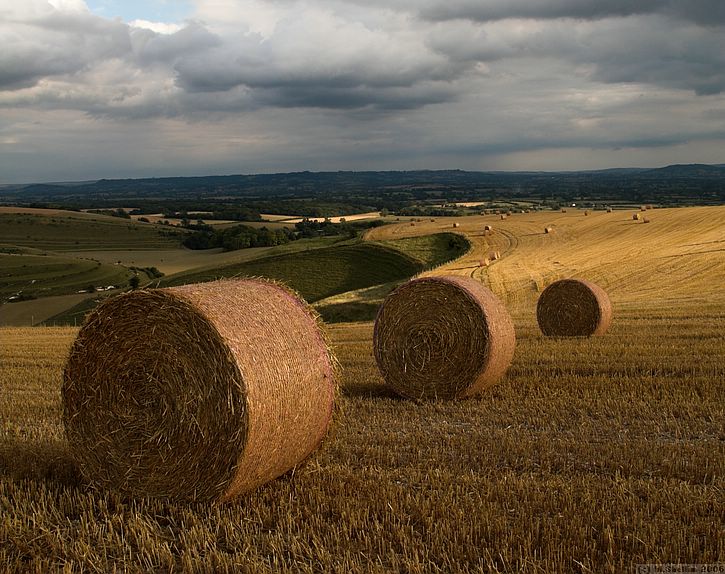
column 573, row 308
column 635, row 217
column 201, row 392
column 548, row 230
column 442, row 337
column 412, row 223
column 456, row 225
column 484, row 262
column 609, row 210
column 488, row 228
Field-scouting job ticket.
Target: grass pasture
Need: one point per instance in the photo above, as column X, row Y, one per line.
column 52, row 275
column 71, row 231
column 318, row 273
column 590, row 455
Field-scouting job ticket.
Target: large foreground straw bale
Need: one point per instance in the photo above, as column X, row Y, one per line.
column 573, row 308
column 200, row 392
column 442, row 337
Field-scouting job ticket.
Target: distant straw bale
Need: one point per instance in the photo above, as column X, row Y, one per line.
column 548, row 230
column 488, row 228
column 609, row 210
column 201, row 392
column 456, row 225
column 645, row 220
column 635, row 217
column 586, row 213
column 412, row 223
column 442, row 337
column 563, row 210
column 573, row 308
column 503, row 216
column 484, row 263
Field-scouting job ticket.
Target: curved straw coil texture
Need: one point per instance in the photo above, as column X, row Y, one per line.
column 573, row 308
column 200, row 392
column 442, row 337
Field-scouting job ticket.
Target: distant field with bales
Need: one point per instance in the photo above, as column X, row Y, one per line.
column 589, row 455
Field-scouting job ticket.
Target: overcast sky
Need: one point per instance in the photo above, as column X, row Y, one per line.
column 143, row 88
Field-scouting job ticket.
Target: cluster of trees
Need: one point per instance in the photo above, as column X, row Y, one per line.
column 237, row 237
column 242, row 236
column 118, row 212
column 429, row 211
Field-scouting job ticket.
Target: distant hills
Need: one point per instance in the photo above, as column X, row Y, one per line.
column 673, row 184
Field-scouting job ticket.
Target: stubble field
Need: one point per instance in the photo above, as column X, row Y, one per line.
column 591, row 455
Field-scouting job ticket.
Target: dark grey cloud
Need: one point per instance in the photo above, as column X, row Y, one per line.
column 709, row 12
column 53, row 43
column 648, row 49
column 150, row 47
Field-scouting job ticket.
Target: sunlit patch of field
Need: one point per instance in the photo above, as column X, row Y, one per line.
column 679, row 253
column 591, row 455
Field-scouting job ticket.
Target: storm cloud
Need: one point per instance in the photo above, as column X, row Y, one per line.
column 462, row 83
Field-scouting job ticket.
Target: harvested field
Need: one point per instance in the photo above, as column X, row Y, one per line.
column 590, row 455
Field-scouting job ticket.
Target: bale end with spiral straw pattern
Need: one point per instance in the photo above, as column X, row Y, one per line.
column 442, row 337
column 200, row 392
column 573, row 308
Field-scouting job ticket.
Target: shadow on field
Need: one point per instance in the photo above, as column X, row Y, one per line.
column 48, row 461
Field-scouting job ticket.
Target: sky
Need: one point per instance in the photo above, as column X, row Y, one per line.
column 153, row 88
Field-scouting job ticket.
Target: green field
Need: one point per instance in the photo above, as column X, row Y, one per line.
column 318, row 273
column 31, row 275
column 431, row 250
column 323, row 270
column 73, row 232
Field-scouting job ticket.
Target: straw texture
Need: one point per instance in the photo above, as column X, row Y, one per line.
column 573, row 308
column 442, row 337
column 200, row 392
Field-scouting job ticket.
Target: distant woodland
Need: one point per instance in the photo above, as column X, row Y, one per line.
column 326, row 194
